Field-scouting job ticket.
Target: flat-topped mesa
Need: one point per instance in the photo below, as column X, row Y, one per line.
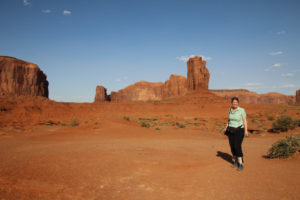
column 101, row 94
column 248, row 97
column 197, row 74
column 21, row 78
column 139, row 91
column 298, row 97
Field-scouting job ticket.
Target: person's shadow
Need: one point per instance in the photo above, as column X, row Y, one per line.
column 225, row 156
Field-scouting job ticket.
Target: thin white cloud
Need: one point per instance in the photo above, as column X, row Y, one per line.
column 281, row 32
column 121, row 79
column 273, row 68
column 287, row 75
column 47, row 11
column 276, row 65
column 276, row 53
column 26, row 2
column 67, row 12
column 186, row 58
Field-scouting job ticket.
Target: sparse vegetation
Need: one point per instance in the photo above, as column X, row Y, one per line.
column 271, row 118
column 63, row 124
column 48, row 123
column 195, row 118
column 144, row 124
column 285, row 147
column 254, row 121
column 196, row 124
column 283, row 123
column 157, row 128
column 74, row 123
column 180, row 125
column 85, row 122
column 126, row 118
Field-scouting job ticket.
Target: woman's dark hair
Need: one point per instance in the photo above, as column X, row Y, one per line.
column 235, row 98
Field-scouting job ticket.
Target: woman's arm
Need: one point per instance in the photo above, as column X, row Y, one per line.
column 245, row 126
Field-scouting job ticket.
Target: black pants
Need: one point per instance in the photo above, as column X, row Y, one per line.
column 235, row 141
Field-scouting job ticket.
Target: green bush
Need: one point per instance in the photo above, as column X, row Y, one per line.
column 283, row 123
column 285, row 147
column 144, row 124
column 126, row 118
column 74, row 123
column 254, row 121
column 271, row 118
column 180, row 125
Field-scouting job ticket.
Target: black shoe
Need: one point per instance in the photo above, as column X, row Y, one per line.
column 240, row 166
column 235, row 164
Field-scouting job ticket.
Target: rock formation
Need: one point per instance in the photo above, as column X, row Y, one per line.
column 248, row 97
column 139, row 91
column 101, row 94
column 197, row 74
column 21, row 78
column 298, row 97
column 174, row 87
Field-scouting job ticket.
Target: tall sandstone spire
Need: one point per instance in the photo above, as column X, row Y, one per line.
column 197, row 74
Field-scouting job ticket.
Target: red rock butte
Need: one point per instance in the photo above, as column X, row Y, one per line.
column 175, row 86
column 21, row 78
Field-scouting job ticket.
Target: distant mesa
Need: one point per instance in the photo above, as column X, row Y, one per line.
column 21, row 78
column 175, row 86
column 248, row 97
column 197, row 80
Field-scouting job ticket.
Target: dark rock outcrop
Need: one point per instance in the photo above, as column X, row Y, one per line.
column 298, row 97
column 21, row 78
column 101, row 94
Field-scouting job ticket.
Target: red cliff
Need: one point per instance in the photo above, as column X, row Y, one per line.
column 197, row 74
column 21, row 78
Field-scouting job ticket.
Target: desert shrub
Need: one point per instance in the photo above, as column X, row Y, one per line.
column 271, row 118
column 283, row 123
column 48, row 123
column 126, row 118
column 285, row 147
column 63, row 124
column 297, row 122
column 74, row 123
column 144, row 124
column 180, row 125
column 85, row 122
column 254, row 121
column 195, row 118
column 157, row 128
column 196, row 124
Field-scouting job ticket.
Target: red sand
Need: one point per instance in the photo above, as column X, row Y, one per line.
column 108, row 157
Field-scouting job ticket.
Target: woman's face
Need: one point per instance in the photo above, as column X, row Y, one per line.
column 235, row 103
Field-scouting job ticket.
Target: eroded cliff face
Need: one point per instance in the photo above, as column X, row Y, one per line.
column 139, row 91
column 21, row 78
column 101, row 94
column 197, row 74
column 248, row 97
column 176, row 86
column 298, row 97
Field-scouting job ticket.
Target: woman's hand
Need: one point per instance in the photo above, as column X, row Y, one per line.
column 246, row 133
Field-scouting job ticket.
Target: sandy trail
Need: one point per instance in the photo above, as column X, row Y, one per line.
column 131, row 162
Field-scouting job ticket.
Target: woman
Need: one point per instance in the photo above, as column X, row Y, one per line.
column 235, row 129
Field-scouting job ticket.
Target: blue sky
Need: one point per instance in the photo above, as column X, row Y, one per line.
column 84, row 43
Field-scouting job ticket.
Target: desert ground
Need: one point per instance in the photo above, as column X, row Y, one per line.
column 180, row 153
